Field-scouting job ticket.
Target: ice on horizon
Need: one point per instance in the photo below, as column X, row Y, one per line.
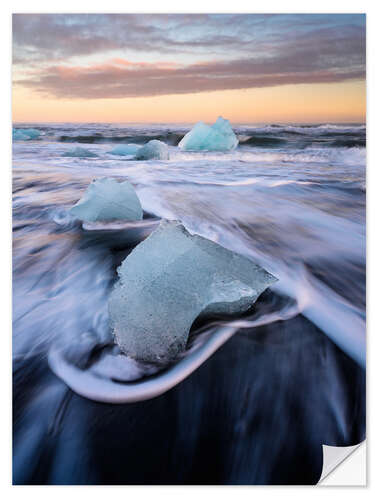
column 217, row 137
column 107, row 200
column 25, row 134
column 79, row 152
column 169, row 280
column 125, row 150
column 153, row 150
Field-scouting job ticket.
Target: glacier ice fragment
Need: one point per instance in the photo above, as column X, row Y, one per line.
column 153, row 150
column 79, row 152
column 169, row 280
column 25, row 134
column 217, row 137
column 108, row 200
column 125, row 149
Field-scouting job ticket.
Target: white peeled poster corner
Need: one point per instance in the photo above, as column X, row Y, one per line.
column 344, row 465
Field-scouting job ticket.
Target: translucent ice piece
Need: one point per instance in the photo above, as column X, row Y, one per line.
column 218, row 137
column 169, row 280
column 153, row 150
column 108, row 200
column 125, row 149
column 25, row 134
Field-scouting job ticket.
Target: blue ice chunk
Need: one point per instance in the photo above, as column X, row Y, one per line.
column 108, row 200
column 217, row 137
column 25, row 134
column 153, row 150
column 19, row 136
column 125, row 149
column 79, row 152
column 169, row 280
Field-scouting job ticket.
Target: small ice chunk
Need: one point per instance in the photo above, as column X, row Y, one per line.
column 108, row 200
column 218, row 137
column 125, row 149
column 25, row 134
column 169, row 280
column 19, row 136
column 79, row 152
column 153, row 150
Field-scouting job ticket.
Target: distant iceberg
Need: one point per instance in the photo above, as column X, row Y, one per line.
column 108, row 200
column 25, row 134
column 125, row 149
column 169, row 280
column 153, row 150
column 217, row 137
column 80, row 153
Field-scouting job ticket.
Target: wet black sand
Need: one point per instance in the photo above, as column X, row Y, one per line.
column 257, row 412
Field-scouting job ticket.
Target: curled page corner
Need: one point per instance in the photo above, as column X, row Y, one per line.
column 334, row 456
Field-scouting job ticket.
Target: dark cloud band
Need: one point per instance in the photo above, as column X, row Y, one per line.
column 246, row 51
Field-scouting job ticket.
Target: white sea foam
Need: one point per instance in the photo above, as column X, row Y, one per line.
column 291, row 209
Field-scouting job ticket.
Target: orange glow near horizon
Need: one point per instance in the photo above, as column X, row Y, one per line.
column 302, row 103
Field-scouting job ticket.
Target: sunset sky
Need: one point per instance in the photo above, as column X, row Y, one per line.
column 250, row 68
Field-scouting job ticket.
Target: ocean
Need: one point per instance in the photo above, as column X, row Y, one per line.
column 292, row 377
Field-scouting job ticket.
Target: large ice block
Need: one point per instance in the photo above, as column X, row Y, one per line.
column 153, row 150
column 169, row 280
column 217, row 137
column 108, row 200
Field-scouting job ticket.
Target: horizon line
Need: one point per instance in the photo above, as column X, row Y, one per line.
column 346, row 122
